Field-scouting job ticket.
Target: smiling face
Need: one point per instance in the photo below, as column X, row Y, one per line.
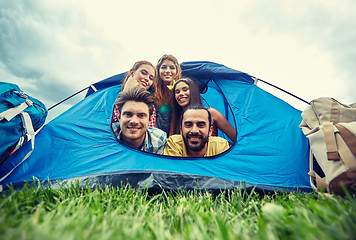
column 196, row 131
column 182, row 94
column 167, row 71
column 144, row 75
column 134, row 119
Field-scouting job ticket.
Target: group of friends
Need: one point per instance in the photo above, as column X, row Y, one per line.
column 157, row 102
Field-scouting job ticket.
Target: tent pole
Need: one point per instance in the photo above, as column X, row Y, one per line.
column 301, row 99
column 55, row 105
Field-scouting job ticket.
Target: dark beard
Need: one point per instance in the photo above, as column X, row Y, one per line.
column 198, row 147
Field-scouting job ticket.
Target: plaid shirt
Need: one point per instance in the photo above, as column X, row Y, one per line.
column 152, row 122
column 154, row 142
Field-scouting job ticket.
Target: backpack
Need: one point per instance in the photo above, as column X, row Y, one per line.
column 20, row 116
column 330, row 127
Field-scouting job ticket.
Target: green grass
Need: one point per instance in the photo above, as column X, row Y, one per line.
column 125, row 213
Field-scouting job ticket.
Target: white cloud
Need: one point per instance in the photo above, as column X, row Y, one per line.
column 56, row 48
column 326, row 49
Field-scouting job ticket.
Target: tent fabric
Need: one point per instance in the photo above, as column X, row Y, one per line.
column 271, row 153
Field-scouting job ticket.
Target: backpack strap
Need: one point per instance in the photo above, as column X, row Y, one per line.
column 13, row 112
column 316, row 181
column 335, row 111
column 345, row 147
column 27, row 124
column 349, row 138
column 341, row 144
column 329, row 136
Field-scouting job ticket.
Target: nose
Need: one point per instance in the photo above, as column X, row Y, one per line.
column 134, row 120
column 194, row 129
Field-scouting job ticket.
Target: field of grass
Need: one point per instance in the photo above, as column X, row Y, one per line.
column 125, row 213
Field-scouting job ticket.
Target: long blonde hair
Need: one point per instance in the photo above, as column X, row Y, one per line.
column 136, row 66
column 161, row 93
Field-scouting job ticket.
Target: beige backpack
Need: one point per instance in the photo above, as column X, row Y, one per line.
column 330, row 127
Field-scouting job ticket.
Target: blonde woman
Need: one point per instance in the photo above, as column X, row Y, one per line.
column 143, row 74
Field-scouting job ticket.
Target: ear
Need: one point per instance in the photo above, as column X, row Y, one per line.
column 210, row 130
column 131, row 72
column 118, row 116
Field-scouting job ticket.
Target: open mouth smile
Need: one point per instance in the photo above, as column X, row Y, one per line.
column 133, row 129
column 182, row 99
column 194, row 139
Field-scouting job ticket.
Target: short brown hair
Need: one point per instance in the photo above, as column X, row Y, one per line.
column 136, row 94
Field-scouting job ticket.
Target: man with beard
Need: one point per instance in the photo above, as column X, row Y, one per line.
column 135, row 108
column 195, row 139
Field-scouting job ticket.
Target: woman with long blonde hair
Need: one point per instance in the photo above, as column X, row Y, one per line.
column 142, row 74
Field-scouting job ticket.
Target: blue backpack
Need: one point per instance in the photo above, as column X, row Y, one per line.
column 20, row 116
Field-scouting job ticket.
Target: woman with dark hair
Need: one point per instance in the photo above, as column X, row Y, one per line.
column 182, row 99
column 186, row 92
column 169, row 71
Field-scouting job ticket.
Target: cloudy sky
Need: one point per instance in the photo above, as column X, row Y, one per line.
column 53, row 49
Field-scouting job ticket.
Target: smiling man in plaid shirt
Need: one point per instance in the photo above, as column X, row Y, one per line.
column 152, row 122
column 135, row 108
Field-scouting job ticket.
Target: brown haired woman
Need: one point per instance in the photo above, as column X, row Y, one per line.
column 169, row 71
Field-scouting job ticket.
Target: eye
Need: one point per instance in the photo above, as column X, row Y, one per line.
column 141, row 115
column 173, row 67
column 163, row 67
column 185, row 89
column 177, row 91
column 127, row 114
column 188, row 124
column 151, row 77
column 202, row 124
column 144, row 72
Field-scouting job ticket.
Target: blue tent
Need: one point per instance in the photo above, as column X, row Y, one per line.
column 271, row 153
